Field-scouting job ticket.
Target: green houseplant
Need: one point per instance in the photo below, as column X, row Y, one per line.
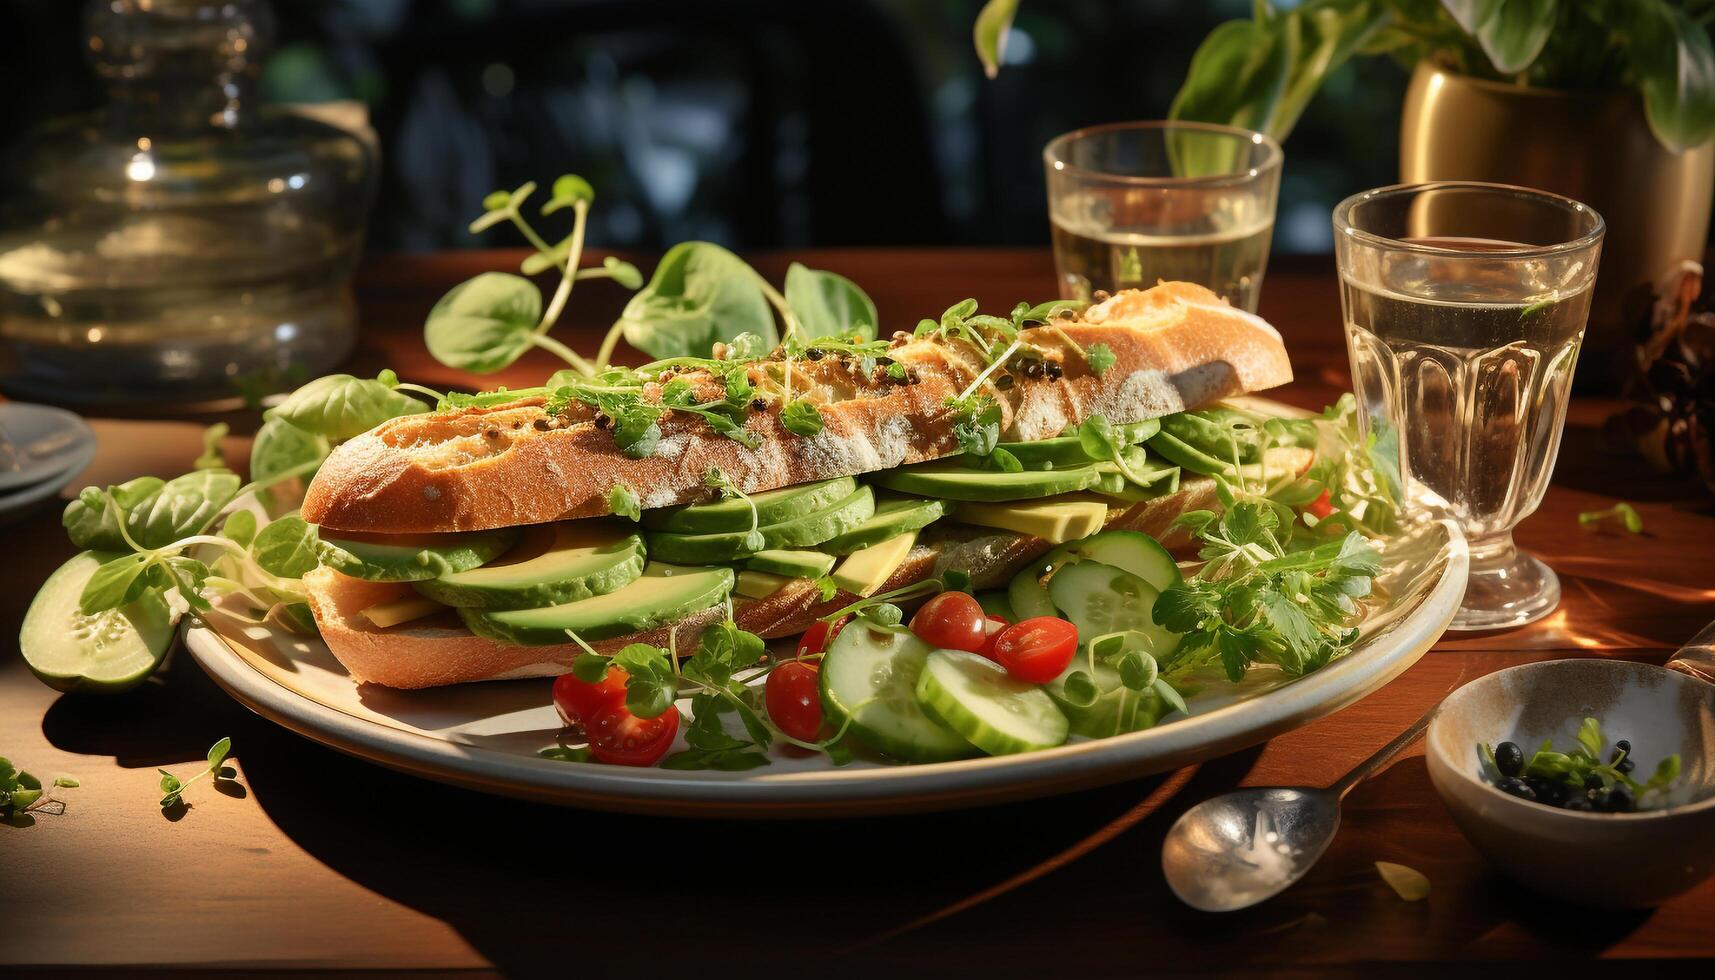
column 1261, row 73
column 1609, row 102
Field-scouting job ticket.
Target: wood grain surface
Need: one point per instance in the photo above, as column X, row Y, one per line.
column 321, row 861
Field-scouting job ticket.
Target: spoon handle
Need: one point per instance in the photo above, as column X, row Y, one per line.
column 1383, row 754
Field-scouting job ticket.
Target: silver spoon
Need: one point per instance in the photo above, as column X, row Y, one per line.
column 1240, row 848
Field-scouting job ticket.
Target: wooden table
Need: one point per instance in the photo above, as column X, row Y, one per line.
column 323, row 861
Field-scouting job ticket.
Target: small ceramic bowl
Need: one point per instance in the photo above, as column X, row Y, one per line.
column 1612, row 859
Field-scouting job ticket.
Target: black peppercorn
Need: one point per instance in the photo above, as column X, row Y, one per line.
column 492, row 433
column 1055, row 371
column 601, row 421
column 1032, row 368
column 757, row 405
column 1003, row 382
column 814, row 353
column 912, row 377
column 542, row 425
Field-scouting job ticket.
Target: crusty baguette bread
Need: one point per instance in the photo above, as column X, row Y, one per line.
column 1176, row 346
column 439, row 650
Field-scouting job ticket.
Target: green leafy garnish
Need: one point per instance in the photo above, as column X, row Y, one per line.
column 801, row 418
column 1257, row 601
column 622, row 501
column 1627, row 514
column 1100, row 358
column 173, row 788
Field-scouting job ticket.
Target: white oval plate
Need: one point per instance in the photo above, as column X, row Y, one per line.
column 487, row 736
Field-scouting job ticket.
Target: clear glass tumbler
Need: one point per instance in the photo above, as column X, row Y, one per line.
column 1465, row 306
column 1133, row 203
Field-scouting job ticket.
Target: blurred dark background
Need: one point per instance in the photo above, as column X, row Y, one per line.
column 754, row 123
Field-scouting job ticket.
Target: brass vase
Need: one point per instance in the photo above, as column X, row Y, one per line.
column 1594, row 147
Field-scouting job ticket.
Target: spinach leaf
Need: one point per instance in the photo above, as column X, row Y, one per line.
column 700, row 293
column 484, row 324
column 828, row 304
column 89, row 523
column 281, row 446
column 339, row 406
column 184, row 506
column 286, row 547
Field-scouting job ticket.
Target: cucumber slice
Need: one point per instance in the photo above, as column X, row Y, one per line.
column 871, row 678
column 552, row 564
column 994, row 711
column 1133, row 551
column 772, row 507
column 411, row 557
column 106, row 653
column 801, row 532
column 1100, row 599
column 1116, row 709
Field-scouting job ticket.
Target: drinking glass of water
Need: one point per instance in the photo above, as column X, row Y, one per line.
column 1465, row 306
column 1134, row 203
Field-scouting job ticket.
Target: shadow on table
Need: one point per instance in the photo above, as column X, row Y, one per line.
column 1071, row 883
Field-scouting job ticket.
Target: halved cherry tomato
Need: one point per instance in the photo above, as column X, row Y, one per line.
column 1320, row 507
column 951, row 621
column 992, row 627
column 621, row 738
column 1036, row 650
column 818, row 636
column 579, row 701
column 794, row 699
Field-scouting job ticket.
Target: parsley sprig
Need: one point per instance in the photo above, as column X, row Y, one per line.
column 1258, row 601
column 173, row 788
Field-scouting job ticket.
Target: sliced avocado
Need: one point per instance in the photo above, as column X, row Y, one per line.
column 893, row 516
column 952, row 480
column 800, row 532
column 733, row 514
column 662, row 594
column 1044, row 454
column 791, row 562
column 1166, row 481
column 551, row 564
column 411, row 557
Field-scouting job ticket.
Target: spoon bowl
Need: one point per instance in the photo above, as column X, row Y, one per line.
column 1240, row 848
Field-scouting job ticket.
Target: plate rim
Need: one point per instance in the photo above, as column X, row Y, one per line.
column 846, row 792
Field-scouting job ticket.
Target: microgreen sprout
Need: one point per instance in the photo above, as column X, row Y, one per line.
column 729, row 490
column 1626, row 513
column 173, row 788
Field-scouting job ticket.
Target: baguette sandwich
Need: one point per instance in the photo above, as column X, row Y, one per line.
column 474, row 543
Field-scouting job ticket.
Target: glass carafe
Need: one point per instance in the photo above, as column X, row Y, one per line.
column 185, row 243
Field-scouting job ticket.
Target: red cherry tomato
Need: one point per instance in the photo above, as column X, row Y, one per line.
column 951, row 621
column 578, row 700
column 1320, row 507
column 818, row 636
column 1036, row 650
column 795, row 699
column 621, row 738
column 992, row 627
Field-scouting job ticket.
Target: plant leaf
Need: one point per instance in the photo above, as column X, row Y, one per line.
column 182, row 507
column 1237, row 77
column 339, row 406
column 700, row 293
column 90, row 525
column 1409, row 884
column 1670, row 59
column 989, row 33
column 828, row 304
column 286, row 547
column 281, row 446
column 1510, row 32
column 218, row 752
column 484, row 324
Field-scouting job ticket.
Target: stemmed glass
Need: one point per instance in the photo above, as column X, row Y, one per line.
column 1465, row 306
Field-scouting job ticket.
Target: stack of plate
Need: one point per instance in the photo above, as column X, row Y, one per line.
column 41, row 450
